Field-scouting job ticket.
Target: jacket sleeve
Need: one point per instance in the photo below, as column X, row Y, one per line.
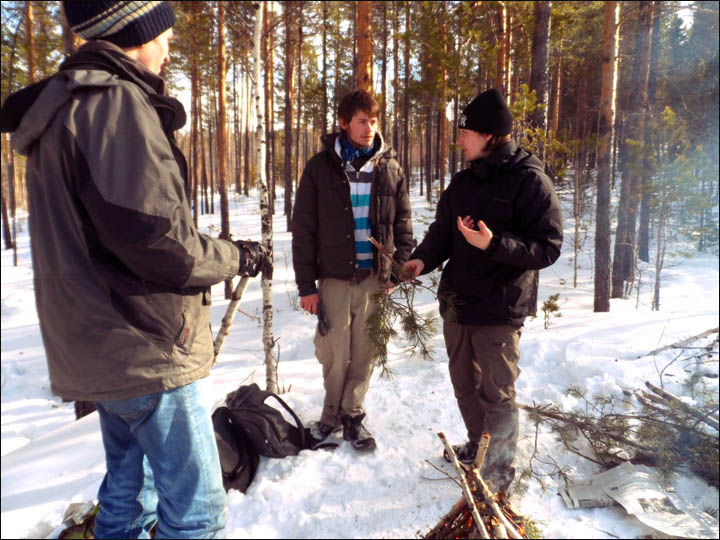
column 435, row 247
column 133, row 191
column 539, row 218
column 304, row 233
column 402, row 226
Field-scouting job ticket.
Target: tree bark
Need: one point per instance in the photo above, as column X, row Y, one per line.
column 540, row 64
column 194, row 91
column 221, row 137
column 442, row 118
column 268, row 89
column 623, row 272
column 502, row 50
column 383, row 73
column 297, row 171
column 644, row 226
column 288, row 13
column 396, row 80
column 266, row 216
column 611, row 39
column 363, row 76
column 406, row 96
column 324, row 68
column 30, row 41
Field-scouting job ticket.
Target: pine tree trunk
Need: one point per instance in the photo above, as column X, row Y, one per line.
column 265, row 215
column 396, row 80
column 442, row 118
column 363, row 75
column 625, row 238
column 644, row 226
column 428, row 152
column 68, row 37
column 540, row 64
column 246, row 137
column 502, row 50
column 30, row 41
column 194, row 90
column 288, row 15
column 268, row 90
column 383, row 73
column 406, row 96
column 611, row 39
column 298, row 113
column 324, row 68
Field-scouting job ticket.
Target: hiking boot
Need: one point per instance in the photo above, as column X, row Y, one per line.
column 465, row 452
column 355, row 432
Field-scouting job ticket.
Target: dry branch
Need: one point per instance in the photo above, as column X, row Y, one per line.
column 682, row 343
column 229, row 316
column 673, row 401
column 479, row 524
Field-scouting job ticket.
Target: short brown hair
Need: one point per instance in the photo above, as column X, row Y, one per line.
column 357, row 100
column 498, row 141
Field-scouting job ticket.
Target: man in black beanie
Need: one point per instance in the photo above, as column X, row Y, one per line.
column 498, row 221
column 122, row 276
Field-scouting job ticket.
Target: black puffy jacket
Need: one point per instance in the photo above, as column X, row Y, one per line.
column 511, row 193
column 323, row 243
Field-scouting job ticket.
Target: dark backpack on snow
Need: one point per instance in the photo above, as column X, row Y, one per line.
column 247, row 428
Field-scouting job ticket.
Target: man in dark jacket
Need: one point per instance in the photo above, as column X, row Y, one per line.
column 351, row 190
column 121, row 274
column 498, row 221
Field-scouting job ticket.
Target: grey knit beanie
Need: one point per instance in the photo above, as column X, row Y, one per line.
column 126, row 24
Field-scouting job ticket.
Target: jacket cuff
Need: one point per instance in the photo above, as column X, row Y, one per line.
column 494, row 243
column 307, row 288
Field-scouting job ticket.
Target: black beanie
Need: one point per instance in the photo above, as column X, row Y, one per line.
column 126, row 24
column 487, row 113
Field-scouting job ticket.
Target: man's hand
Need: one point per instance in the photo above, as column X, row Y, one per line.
column 479, row 238
column 412, row 269
column 310, row 303
column 254, row 257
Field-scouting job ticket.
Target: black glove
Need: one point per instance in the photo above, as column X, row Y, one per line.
column 254, row 257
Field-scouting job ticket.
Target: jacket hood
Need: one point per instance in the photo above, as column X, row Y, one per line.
column 504, row 158
column 28, row 111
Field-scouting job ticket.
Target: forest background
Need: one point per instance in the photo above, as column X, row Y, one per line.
column 619, row 98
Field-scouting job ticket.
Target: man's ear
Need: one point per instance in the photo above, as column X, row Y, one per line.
column 343, row 124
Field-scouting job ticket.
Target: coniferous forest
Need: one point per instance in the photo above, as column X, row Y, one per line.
column 619, row 98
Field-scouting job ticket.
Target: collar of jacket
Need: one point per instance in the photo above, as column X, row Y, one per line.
column 497, row 161
column 106, row 56
column 329, row 141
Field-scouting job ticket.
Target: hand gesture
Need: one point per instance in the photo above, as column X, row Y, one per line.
column 479, row 238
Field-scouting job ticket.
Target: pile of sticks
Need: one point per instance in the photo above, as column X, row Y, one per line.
column 479, row 513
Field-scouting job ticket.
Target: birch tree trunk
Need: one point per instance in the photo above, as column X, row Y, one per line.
column 611, row 41
column 221, row 137
column 265, row 215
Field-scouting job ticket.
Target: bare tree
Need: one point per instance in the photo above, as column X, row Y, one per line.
column 611, row 41
column 265, row 214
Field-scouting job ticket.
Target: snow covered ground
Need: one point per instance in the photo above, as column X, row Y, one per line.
column 49, row 460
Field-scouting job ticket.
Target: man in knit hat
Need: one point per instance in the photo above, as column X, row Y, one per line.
column 352, row 189
column 497, row 223
column 122, row 276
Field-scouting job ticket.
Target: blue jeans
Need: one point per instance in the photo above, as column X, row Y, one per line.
column 162, row 466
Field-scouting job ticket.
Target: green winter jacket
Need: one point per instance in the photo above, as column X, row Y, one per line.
column 121, row 273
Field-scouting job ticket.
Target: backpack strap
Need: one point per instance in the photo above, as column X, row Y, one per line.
column 298, row 422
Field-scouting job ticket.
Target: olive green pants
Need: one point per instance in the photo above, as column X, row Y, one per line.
column 345, row 352
column 483, row 370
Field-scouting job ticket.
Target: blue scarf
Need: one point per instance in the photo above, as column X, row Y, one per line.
column 350, row 152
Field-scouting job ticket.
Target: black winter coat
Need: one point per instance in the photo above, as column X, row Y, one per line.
column 511, row 193
column 323, row 239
